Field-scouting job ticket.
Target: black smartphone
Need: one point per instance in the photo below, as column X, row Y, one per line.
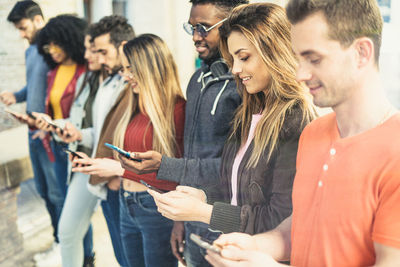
column 31, row 115
column 151, row 187
column 204, row 243
column 52, row 124
column 73, row 153
column 122, row 152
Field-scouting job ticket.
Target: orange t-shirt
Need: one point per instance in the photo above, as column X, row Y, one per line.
column 346, row 194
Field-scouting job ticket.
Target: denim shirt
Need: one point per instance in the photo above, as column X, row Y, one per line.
column 34, row 93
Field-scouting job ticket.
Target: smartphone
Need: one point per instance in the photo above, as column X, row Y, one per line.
column 52, row 124
column 151, row 187
column 204, row 243
column 12, row 112
column 31, row 115
column 122, row 152
column 73, row 153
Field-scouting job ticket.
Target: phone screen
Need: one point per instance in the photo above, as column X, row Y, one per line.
column 204, row 243
column 122, row 152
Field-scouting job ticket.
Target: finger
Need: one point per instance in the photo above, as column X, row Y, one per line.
column 187, row 189
column 216, row 260
column 86, row 161
column 236, row 239
column 36, row 135
column 234, row 253
column 154, row 194
column 142, row 155
column 83, row 169
column 174, row 245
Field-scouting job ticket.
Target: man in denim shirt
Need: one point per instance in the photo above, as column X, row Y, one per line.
column 28, row 19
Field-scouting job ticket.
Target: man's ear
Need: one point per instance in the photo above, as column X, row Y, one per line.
column 123, row 43
column 121, row 47
column 365, row 51
column 38, row 20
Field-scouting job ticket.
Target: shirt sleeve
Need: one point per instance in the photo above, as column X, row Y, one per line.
column 386, row 228
column 20, row 96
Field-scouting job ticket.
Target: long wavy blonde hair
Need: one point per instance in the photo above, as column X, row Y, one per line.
column 265, row 25
column 156, row 75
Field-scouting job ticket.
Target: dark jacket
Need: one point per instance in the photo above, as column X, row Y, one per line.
column 212, row 99
column 264, row 192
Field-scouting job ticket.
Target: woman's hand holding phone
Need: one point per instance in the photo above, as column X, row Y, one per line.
column 69, row 134
column 234, row 257
column 42, row 121
column 103, row 167
column 150, row 162
column 23, row 118
column 239, row 249
column 180, row 206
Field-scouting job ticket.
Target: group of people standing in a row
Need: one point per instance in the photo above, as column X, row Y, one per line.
column 241, row 153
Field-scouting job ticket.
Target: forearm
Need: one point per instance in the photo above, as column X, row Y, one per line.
column 277, row 242
column 192, row 172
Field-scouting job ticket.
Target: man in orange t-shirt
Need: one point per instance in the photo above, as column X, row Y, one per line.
column 346, row 193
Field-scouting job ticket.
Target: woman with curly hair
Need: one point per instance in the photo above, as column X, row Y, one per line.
column 61, row 42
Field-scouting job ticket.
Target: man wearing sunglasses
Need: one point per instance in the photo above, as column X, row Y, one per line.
column 212, row 98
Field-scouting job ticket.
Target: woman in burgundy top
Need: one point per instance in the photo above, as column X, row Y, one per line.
column 153, row 120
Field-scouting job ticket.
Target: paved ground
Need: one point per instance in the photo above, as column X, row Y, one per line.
column 34, row 224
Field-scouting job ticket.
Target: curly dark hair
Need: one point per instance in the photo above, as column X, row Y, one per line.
column 118, row 27
column 66, row 31
column 225, row 6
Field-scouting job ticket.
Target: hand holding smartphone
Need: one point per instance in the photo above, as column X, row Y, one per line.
column 152, row 187
column 204, row 243
column 31, row 115
column 122, row 152
column 73, row 153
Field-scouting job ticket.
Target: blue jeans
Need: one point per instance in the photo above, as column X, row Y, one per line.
column 145, row 232
column 194, row 255
column 61, row 170
column 46, row 181
column 75, row 220
column 111, row 213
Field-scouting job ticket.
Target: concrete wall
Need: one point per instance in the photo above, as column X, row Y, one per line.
column 390, row 55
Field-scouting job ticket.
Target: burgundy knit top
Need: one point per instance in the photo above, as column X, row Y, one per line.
column 139, row 138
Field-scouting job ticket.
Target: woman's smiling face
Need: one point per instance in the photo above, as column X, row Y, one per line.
column 247, row 63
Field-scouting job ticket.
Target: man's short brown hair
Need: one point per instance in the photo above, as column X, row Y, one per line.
column 347, row 19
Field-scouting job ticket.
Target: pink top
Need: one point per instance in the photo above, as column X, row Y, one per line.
column 239, row 156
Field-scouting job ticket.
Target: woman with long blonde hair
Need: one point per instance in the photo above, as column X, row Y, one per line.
column 150, row 117
column 259, row 158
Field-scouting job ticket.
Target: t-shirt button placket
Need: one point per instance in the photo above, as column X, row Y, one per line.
column 325, row 168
